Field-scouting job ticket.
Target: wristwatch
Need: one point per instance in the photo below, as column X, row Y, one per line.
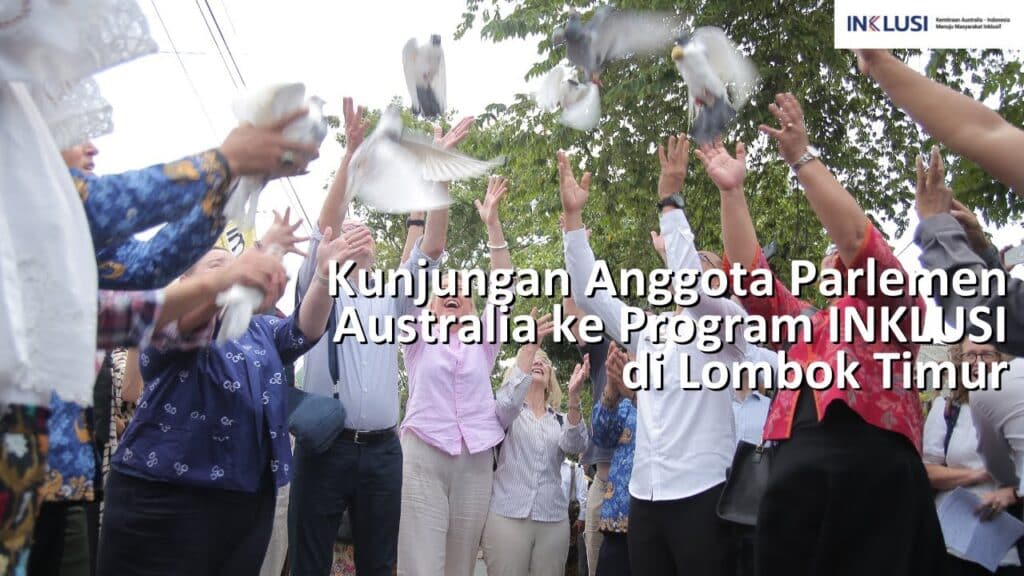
column 674, row 200
column 810, row 154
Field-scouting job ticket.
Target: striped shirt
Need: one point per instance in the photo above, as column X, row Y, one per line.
column 528, row 481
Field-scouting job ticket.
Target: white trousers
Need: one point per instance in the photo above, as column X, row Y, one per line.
column 444, row 507
column 521, row 547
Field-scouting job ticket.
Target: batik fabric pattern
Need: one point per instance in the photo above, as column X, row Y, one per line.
column 71, row 461
column 187, row 195
column 615, row 428
column 22, row 468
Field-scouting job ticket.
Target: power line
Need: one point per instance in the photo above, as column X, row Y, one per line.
column 291, row 194
column 224, row 40
column 217, row 46
column 188, row 76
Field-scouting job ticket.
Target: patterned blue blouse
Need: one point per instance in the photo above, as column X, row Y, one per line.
column 188, row 195
column 71, row 461
column 616, row 428
column 216, row 417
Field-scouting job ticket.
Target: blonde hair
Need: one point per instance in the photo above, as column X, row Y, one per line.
column 552, row 391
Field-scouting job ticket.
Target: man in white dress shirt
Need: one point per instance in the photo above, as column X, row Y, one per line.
column 685, row 438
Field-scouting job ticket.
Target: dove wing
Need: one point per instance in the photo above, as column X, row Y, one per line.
column 439, row 84
column 626, row 32
column 735, row 70
column 409, row 54
column 549, row 96
column 585, row 113
column 440, row 165
column 388, row 177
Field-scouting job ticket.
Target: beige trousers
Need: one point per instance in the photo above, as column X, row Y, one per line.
column 591, row 535
column 444, row 506
column 524, row 547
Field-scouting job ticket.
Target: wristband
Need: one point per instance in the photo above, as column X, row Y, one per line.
column 321, row 279
column 410, row 222
column 502, row 246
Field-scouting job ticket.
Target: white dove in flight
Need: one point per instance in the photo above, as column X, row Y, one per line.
column 580, row 102
column 398, row 170
column 424, row 74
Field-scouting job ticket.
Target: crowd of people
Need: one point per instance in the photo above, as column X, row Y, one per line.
column 136, row 442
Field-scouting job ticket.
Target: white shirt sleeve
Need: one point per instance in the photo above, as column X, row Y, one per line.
column 999, row 420
column 580, row 263
column 935, row 433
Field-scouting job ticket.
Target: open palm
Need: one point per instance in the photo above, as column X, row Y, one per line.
column 727, row 172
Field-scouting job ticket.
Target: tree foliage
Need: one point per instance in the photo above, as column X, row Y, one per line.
column 868, row 143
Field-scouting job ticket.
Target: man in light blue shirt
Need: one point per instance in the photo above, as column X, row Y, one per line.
column 362, row 470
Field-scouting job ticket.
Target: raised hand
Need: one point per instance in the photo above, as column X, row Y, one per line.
column 674, row 158
column 488, row 209
column 353, row 245
column 867, row 58
column 574, row 194
column 454, row 136
column 972, row 227
column 579, row 374
column 356, row 125
column 727, row 172
column 282, row 234
column 792, row 133
column 932, row 195
column 615, row 366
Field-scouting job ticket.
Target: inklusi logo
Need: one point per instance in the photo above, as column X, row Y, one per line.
column 886, row 23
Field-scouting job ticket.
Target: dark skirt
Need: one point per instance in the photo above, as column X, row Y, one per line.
column 847, row 498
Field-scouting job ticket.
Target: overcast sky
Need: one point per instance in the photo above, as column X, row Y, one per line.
column 168, row 105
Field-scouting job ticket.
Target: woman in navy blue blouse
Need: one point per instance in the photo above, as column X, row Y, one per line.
column 193, row 483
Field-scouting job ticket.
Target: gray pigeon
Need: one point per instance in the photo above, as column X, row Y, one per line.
column 397, row 170
column 613, row 34
column 424, row 74
column 719, row 80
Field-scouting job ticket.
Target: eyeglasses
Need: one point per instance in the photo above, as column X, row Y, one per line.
column 987, row 356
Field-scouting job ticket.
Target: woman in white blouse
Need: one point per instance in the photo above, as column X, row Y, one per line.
column 952, row 460
column 527, row 530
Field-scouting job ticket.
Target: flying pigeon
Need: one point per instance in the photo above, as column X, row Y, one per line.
column 613, row 34
column 261, row 108
column 424, row 74
column 397, row 170
column 718, row 77
column 580, row 101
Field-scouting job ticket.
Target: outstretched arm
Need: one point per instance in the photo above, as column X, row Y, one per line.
column 836, row 209
column 501, row 258
column 332, row 214
column 579, row 258
column 728, row 174
column 963, row 124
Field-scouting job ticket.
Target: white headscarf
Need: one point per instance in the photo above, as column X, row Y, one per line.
column 48, row 51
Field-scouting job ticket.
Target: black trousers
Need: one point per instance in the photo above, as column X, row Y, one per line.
column 366, row 479
column 613, row 560
column 48, row 539
column 744, row 542
column 847, row 498
column 679, row 537
column 160, row 529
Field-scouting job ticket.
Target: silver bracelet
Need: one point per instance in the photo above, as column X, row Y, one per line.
column 502, row 246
